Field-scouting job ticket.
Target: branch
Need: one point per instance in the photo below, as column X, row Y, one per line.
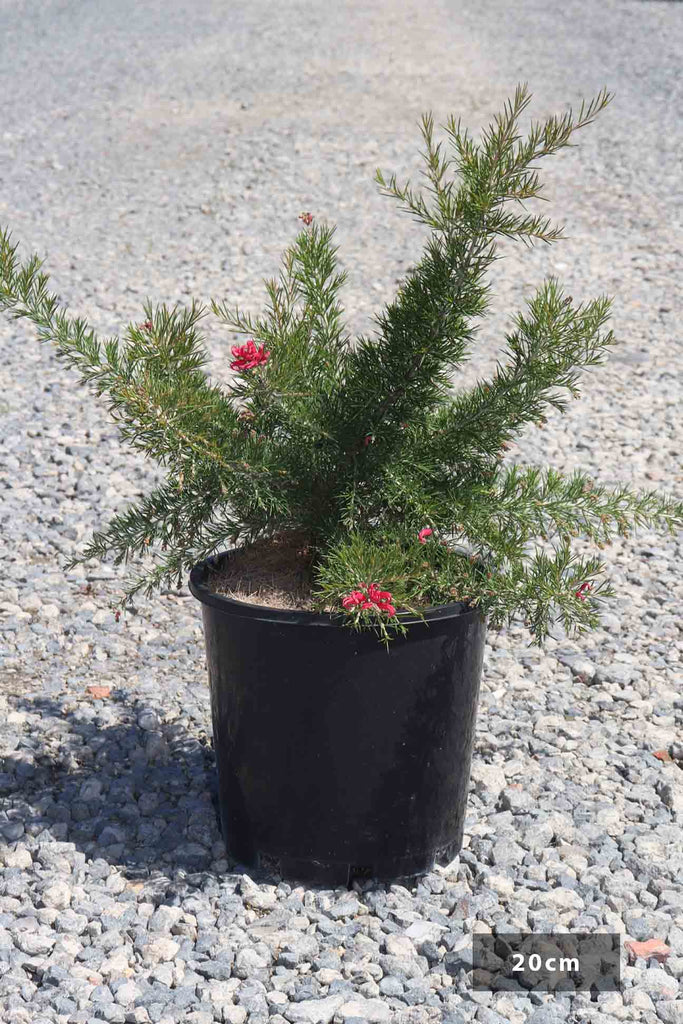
column 545, row 353
column 158, row 392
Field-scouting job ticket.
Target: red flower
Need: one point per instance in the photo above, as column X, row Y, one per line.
column 380, row 597
column 580, row 592
column 368, row 439
column 117, row 615
column 373, row 598
column 247, row 356
column 423, row 534
column 306, row 218
column 147, row 326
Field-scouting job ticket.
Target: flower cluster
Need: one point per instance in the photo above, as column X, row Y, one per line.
column 370, row 596
column 307, row 218
column 247, row 356
column 373, row 597
column 580, row 592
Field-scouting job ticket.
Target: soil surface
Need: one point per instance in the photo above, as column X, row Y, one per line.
column 274, row 572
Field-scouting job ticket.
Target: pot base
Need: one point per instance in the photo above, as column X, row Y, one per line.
column 337, row 873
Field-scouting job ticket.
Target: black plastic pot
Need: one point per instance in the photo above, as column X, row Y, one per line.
column 337, row 757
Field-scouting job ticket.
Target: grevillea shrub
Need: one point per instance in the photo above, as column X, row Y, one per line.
column 361, row 446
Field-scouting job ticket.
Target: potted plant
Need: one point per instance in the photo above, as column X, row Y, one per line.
column 363, row 502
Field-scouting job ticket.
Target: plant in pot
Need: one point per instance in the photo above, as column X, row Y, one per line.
column 348, row 524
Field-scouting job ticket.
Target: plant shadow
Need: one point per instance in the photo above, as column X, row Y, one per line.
column 110, row 777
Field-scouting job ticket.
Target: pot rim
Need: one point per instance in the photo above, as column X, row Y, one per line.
column 245, row 609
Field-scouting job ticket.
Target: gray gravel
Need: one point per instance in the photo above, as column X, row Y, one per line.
column 166, row 150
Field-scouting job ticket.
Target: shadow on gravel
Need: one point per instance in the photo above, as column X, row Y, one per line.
column 106, row 776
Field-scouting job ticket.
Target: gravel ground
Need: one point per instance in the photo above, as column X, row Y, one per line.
column 150, row 151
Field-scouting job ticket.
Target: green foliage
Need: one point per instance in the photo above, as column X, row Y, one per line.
column 363, row 445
